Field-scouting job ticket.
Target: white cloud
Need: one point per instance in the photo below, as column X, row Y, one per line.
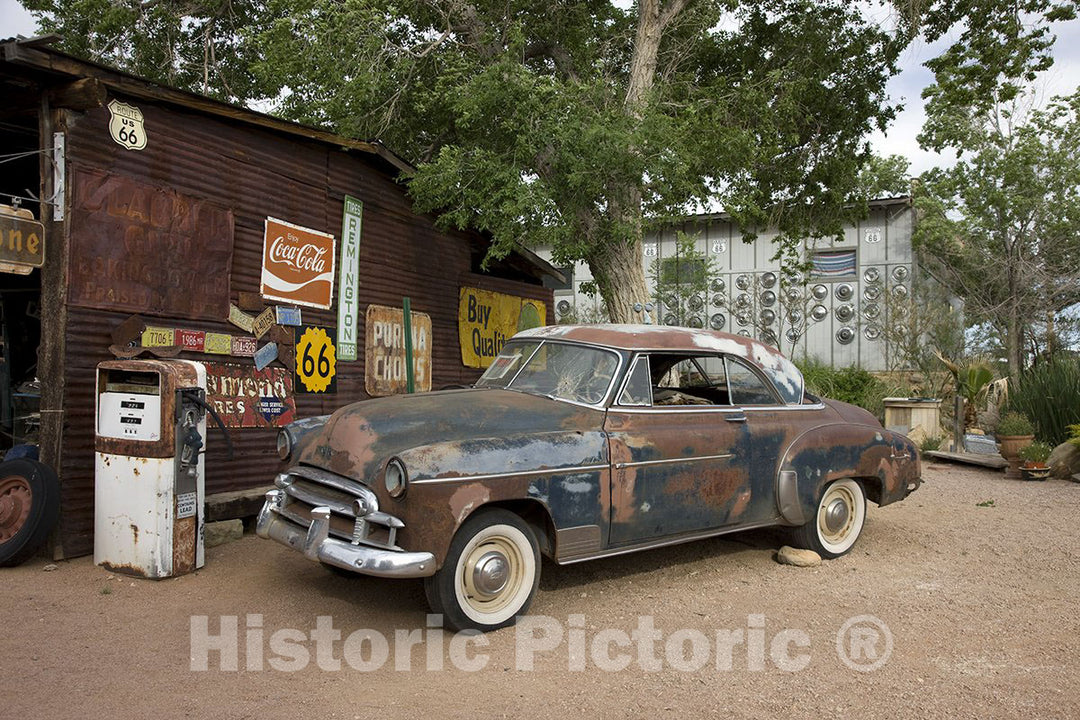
column 907, row 87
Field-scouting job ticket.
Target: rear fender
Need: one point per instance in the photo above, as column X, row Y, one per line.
column 886, row 463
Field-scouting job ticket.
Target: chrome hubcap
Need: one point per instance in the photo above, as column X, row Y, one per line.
column 836, row 515
column 491, row 573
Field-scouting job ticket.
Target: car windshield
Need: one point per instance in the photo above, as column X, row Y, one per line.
column 558, row 370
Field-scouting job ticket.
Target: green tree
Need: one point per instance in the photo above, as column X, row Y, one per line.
column 884, row 177
column 996, row 51
column 681, row 282
column 197, row 45
column 1001, row 228
column 572, row 124
column 575, row 124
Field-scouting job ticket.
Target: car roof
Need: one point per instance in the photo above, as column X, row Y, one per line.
column 782, row 372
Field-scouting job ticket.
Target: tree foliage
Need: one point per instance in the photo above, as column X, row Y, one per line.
column 997, row 50
column 198, row 45
column 577, row 123
column 571, row 124
column 1001, row 228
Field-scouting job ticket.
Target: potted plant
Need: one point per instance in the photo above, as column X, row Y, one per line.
column 1014, row 431
column 1035, row 456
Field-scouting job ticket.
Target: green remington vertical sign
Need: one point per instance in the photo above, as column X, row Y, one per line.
column 349, row 279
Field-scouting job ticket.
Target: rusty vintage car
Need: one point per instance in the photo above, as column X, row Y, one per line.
column 580, row 442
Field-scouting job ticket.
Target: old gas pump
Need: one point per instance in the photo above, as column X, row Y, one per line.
column 149, row 488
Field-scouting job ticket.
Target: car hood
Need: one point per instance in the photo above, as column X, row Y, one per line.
column 455, row 432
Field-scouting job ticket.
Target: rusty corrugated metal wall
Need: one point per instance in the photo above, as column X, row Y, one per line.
column 257, row 173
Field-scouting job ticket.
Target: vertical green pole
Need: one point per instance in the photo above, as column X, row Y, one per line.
column 410, row 381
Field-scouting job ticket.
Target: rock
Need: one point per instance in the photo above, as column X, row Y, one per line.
column 50, row 567
column 1064, row 460
column 799, row 558
column 219, row 533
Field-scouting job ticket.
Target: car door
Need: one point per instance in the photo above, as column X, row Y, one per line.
column 677, row 468
column 769, row 429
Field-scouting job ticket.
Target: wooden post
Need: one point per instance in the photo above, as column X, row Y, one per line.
column 410, row 381
column 958, row 424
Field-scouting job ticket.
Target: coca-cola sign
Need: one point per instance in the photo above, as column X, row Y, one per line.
column 298, row 265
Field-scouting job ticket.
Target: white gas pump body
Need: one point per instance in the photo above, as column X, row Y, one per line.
column 149, row 488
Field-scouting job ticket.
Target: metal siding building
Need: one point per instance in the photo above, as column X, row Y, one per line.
column 244, row 166
column 860, row 276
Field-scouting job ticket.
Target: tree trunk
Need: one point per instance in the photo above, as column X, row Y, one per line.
column 1014, row 343
column 619, row 275
column 616, row 265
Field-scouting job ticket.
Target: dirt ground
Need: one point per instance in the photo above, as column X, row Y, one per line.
column 980, row 602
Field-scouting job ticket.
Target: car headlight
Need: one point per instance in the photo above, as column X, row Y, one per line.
column 284, row 444
column 395, row 478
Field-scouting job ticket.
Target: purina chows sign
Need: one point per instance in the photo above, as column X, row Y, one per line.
column 298, row 265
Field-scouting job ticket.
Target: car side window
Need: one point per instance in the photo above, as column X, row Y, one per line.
column 688, row 380
column 746, row 387
column 638, row 388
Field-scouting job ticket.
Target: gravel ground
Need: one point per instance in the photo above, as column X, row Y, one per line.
column 979, row 602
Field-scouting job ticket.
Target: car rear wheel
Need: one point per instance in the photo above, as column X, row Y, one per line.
column 490, row 574
column 838, row 521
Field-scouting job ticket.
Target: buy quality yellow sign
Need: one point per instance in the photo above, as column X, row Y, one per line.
column 486, row 320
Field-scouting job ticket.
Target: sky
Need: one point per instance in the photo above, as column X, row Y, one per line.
column 904, row 88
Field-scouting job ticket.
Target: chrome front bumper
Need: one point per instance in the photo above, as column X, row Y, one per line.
column 317, row 545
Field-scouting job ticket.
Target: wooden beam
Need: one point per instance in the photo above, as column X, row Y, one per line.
column 81, row 95
column 991, row 461
column 51, row 367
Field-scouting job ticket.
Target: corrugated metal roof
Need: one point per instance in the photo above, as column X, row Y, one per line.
column 35, row 53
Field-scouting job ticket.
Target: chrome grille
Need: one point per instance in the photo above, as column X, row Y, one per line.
column 307, row 488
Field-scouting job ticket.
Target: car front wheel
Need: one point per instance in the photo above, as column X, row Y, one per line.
column 490, row 574
column 840, row 516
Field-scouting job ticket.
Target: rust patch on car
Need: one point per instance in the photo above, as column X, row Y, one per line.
column 466, row 499
column 623, row 481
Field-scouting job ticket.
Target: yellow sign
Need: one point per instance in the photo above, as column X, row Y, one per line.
column 22, row 240
column 486, row 320
column 316, row 360
column 158, row 337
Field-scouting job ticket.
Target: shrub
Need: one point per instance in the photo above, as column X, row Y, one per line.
column 930, row 444
column 1014, row 423
column 1038, row 452
column 850, row 384
column 1049, row 394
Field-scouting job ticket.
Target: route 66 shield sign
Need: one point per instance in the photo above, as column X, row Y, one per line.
column 126, row 125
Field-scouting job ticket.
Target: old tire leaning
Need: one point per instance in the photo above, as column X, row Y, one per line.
column 838, row 520
column 29, row 508
column 490, row 574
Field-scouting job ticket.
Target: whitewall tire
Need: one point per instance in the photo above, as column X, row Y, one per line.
column 490, row 574
column 838, row 520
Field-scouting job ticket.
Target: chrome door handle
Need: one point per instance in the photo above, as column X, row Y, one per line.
column 735, row 418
